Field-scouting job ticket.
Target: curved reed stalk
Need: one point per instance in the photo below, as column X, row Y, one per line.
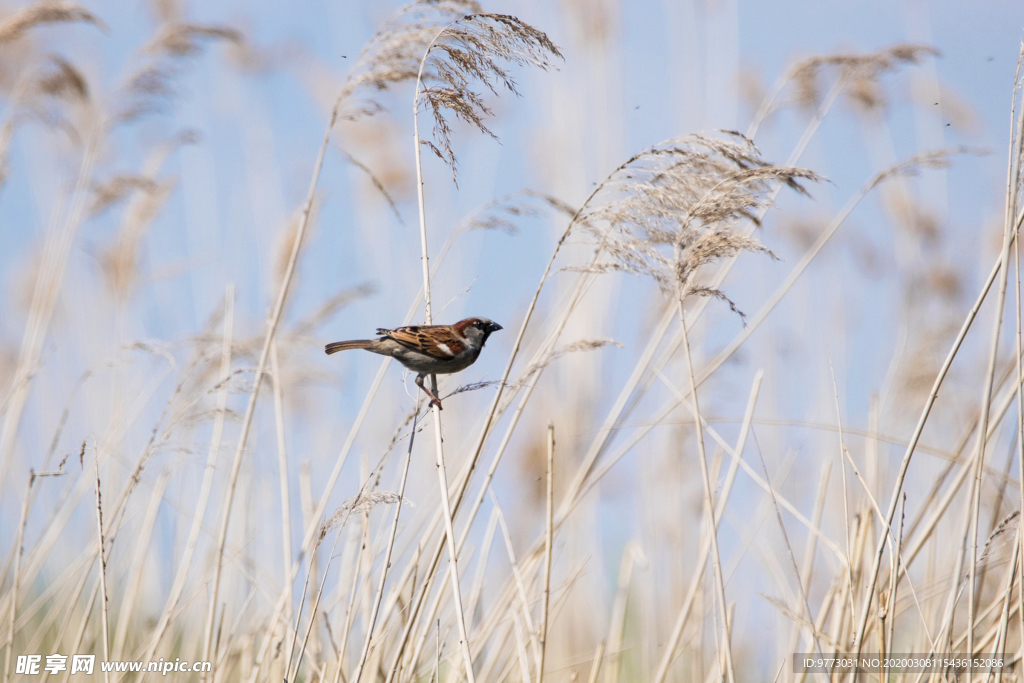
column 275, row 319
column 908, row 454
column 468, row 54
column 181, row 574
column 387, row 557
column 709, row 503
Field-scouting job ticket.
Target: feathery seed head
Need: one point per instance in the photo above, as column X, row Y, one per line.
column 673, row 208
column 863, row 70
column 52, row 12
column 183, row 38
column 476, row 49
column 449, row 47
column 63, row 81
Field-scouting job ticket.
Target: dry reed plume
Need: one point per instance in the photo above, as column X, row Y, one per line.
column 175, row 471
column 673, row 208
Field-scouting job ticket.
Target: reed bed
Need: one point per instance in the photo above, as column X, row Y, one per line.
column 658, row 471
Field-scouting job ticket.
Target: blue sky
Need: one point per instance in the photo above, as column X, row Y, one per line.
column 634, row 73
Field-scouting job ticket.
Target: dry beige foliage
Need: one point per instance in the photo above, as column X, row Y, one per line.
column 63, row 81
column 673, row 208
column 863, row 70
column 53, row 12
column 182, row 39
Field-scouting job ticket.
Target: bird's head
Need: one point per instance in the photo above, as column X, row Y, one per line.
column 477, row 329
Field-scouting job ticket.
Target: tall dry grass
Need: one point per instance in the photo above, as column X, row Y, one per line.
column 194, row 499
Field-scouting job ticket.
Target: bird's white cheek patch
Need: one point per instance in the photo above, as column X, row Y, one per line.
column 447, row 351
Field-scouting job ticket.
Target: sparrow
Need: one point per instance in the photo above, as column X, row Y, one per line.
column 428, row 349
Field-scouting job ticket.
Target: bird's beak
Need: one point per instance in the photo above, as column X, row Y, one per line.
column 494, row 327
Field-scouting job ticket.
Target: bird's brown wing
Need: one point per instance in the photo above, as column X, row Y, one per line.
column 436, row 341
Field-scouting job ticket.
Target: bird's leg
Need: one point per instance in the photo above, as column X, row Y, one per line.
column 434, row 400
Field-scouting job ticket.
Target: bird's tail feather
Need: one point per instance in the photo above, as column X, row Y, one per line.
column 345, row 345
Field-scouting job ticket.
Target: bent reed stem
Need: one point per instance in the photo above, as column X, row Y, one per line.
column 250, row 409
